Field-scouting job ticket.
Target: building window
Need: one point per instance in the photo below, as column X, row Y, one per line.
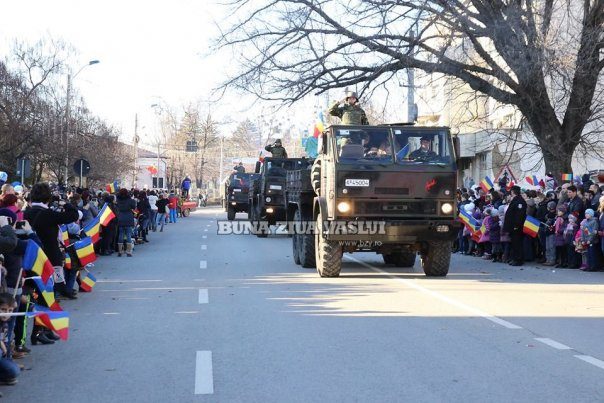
column 155, row 183
column 482, row 161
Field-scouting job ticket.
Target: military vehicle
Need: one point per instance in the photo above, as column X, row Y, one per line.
column 236, row 193
column 267, row 194
column 387, row 189
column 299, row 199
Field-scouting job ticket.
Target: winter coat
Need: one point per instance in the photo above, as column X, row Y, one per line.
column 559, row 227
column 515, row 215
column 495, row 230
column 589, row 230
column 125, row 213
column 88, row 213
column 576, row 207
column 8, row 239
column 144, row 207
column 485, row 237
column 569, row 232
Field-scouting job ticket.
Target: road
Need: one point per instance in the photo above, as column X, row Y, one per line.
column 196, row 316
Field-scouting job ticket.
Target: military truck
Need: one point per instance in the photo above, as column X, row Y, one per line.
column 299, row 199
column 387, row 189
column 267, row 192
column 236, row 193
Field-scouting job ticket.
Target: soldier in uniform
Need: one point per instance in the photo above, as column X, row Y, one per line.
column 350, row 112
column 240, row 169
column 514, row 219
column 276, row 149
column 423, row 153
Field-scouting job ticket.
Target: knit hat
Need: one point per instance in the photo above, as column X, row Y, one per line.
column 551, row 205
column 494, row 213
column 572, row 218
column 469, row 207
column 589, row 212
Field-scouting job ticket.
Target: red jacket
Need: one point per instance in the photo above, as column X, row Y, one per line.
column 173, row 202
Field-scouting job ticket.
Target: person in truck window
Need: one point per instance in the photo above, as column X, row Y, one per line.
column 423, row 153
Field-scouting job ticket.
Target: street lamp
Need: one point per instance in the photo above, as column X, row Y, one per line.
column 67, row 111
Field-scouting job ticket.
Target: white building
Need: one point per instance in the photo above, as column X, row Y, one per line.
column 151, row 170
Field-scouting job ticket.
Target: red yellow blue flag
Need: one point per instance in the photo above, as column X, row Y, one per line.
column 35, row 260
column 531, row 226
column 93, row 230
column 113, row 187
column 105, row 215
column 64, row 234
column 486, row 184
column 48, row 293
column 58, row 321
column 567, row 177
column 88, row 282
column 85, row 251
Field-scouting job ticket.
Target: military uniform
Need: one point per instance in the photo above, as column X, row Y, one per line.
column 277, row 151
column 350, row 114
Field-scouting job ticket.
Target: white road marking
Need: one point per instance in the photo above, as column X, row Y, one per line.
column 111, row 313
column 129, row 281
column 591, row 360
column 187, row 312
column 204, row 236
column 203, row 264
column 204, row 298
column 441, row 297
column 204, row 378
column 205, row 230
column 553, row 343
column 151, row 289
column 204, row 247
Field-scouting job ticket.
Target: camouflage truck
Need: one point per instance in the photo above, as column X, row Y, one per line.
column 392, row 187
column 267, row 192
column 236, row 194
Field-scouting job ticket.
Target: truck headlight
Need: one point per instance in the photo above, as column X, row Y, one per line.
column 268, row 199
column 269, row 210
column 446, row 208
column 343, row 207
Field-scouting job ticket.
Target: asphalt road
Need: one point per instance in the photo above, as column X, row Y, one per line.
column 197, row 316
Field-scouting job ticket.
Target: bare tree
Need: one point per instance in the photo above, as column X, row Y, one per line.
column 543, row 57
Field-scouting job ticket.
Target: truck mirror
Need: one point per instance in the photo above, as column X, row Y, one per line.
column 457, row 147
column 257, row 168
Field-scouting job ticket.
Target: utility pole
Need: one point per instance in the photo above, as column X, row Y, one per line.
column 67, row 105
column 411, row 106
column 136, row 139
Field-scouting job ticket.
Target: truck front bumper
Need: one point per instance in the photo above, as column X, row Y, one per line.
column 393, row 232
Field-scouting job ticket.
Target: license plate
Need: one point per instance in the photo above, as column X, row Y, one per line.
column 357, row 182
column 236, row 190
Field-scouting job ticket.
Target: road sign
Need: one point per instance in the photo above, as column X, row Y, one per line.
column 23, row 168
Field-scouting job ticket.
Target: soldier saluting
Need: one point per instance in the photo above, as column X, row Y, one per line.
column 276, row 149
column 350, row 112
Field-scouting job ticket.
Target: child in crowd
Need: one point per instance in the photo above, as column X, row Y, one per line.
column 9, row 371
column 559, row 241
column 573, row 259
column 485, row 238
column 550, row 248
column 589, row 237
column 495, row 236
column 505, row 237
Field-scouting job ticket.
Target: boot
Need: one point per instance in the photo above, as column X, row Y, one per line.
column 120, row 249
column 40, row 337
column 129, row 247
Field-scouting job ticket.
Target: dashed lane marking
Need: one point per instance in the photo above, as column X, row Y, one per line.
column 204, row 377
column 203, row 264
column 204, row 298
column 186, row 312
column 204, row 237
column 204, row 247
column 591, row 360
column 111, row 313
column 129, row 281
column 441, row 297
column 553, row 343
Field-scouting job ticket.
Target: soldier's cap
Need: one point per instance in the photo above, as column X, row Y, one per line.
column 278, row 141
column 425, row 138
column 351, row 94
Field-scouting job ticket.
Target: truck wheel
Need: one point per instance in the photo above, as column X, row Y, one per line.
column 436, row 260
column 306, row 245
column 403, row 259
column 231, row 213
column 296, row 248
column 315, row 176
column 328, row 254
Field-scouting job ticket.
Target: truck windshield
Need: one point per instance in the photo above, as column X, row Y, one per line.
column 422, row 146
column 371, row 144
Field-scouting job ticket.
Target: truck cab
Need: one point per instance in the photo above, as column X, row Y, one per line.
column 236, row 193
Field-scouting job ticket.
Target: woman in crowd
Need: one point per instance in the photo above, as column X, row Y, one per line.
column 144, row 211
column 162, row 211
column 153, row 216
column 125, row 222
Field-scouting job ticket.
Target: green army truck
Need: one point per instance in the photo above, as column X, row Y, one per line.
column 299, row 199
column 267, row 192
column 235, row 197
column 387, row 189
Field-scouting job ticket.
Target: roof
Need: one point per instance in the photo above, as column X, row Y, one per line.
column 142, row 153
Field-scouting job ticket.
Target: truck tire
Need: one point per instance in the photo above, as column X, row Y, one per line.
column 328, row 254
column 231, row 213
column 315, row 176
column 403, row 259
column 388, row 259
column 436, row 259
column 306, row 245
column 296, row 247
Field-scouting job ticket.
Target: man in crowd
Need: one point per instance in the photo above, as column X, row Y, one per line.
column 513, row 225
column 576, row 206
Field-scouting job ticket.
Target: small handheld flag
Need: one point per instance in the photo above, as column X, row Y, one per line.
column 567, row 177
column 35, row 260
column 486, row 184
column 64, row 234
column 468, row 221
column 533, row 180
column 531, row 226
column 67, row 261
column 48, row 294
column 105, row 215
column 85, row 251
column 58, row 321
column 93, row 230
column 88, row 283
column 113, row 187
column 403, row 153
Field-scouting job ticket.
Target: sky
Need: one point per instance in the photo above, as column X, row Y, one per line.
column 150, row 52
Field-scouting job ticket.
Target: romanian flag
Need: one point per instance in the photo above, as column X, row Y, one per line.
column 35, row 260
column 93, row 230
column 319, row 125
column 468, row 221
column 88, row 283
column 57, row 321
column 113, row 187
column 531, row 226
column 567, row 177
column 67, row 261
column 486, row 184
column 64, row 234
column 509, row 185
column 48, row 293
column 483, row 228
column 403, row 153
column 533, row 180
column 105, row 215
column 85, row 251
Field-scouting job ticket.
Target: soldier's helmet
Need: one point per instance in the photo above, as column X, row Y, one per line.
column 278, row 142
column 351, row 94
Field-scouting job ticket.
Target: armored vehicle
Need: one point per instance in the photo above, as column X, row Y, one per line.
column 236, row 193
column 267, row 193
column 388, row 189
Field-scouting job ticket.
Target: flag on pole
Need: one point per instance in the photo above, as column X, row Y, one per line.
column 67, row 261
column 113, row 187
column 567, row 177
column 319, row 125
column 93, row 230
column 35, row 260
column 105, row 215
column 403, row 153
column 533, row 180
column 88, row 282
column 85, row 251
column 509, row 186
column 48, row 293
column 58, row 321
column 486, row 184
column 531, row 226
column 64, row 234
